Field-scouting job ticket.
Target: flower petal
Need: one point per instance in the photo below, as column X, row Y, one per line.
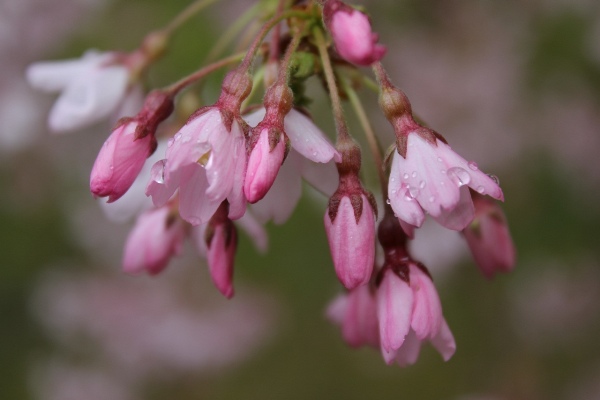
column 307, row 139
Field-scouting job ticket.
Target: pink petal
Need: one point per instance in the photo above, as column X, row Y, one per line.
column 394, row 310
column 444, row 342
column 220, row 261
column 236, row 198
column 263, row 166
column 194, row 206
column 408, row 353
column 461, row 215
column 307, row 139
column 405, row 206
column 427, row 312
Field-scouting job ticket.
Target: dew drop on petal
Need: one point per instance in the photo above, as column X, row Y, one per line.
column 440, row 159
column 432, row 199
column 170, row 142
column 443, row 171
column 393, row 191
column 186, row 139
column 459, row 176
column 494, row 178
column 178, row 136
column 158, row 172
column 413, row 191
column 388, row 201
column 480, row 189
column 422, row 184
column 405, row 176
column 392, row 179
column 473, row 165
column 414, row 174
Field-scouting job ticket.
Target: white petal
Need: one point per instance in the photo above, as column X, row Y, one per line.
column 402, row 202
column 280, row 201
column 54, row 76
column 307, row 139
column 322, row 176
column 444, row 342
column 89, row 98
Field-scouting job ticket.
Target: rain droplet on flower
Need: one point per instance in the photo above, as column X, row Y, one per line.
column 393, row 191
column 177, row 135
column 440, row 159
column 473, row 165
column 432, row 199
column 170, row 142
column 494, row 178
column 388, row 201
column 443, row 171
column 414, row 174
column 314, row 153
column 405, row 176
column 186, row 139
column 392, row 179
column 413, row 191
column 480, row 189
column 422, row 184
column 158, row 172
column 459, row 176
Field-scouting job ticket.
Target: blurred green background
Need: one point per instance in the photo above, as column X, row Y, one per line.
column 514, row 85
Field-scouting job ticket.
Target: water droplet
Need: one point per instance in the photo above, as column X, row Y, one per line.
column 395, row 215
column 413, row 191
column 158, row 172
column 170, row 142
column 440, row 159
column 480, row 189
column 112, row 167
column 393, row 191
column 314, row 153
column 194, row 221
column 388, row 201
column 459, row 176
column 432, row 199
column 473, row 165
column 392, row 179
column 443, row 171
column 494, row 178
column 405, row 176
column 414, row 174
column 186, row 139
column 422, row 184
column 178, row 136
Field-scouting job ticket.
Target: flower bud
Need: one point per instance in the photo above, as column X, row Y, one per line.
column 489, row 239
column 352, row 34
column 264, row 162
column 120, row 160
column 221, row 244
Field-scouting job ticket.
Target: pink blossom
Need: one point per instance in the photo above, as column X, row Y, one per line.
column 120, row 161
column 91, row 88
column 206, row 161
column 356, row 313
column 309, row 158
column 352, row 34
column 410, row 313
column 429, row 178
column 263, row 164
column 351, row 235
column 155, row 238
column 489, row 239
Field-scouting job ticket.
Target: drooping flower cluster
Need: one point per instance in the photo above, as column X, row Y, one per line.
column 240, row 162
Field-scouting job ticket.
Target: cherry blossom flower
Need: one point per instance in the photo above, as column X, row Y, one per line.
column 310, row 158
column 410, row 313
column 206, row 161
column 91, row 88
column 155, row 238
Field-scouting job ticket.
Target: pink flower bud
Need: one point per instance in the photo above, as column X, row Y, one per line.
column 352, row 34
column 263, row 164
column 154, row 239
column 489, row 239
column 120, row 161
column 351, row 235
column 221, row 245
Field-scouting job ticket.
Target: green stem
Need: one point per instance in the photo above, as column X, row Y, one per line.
column 338, row 113
column 176, row 87
column 374, row 145
column 247, row 62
